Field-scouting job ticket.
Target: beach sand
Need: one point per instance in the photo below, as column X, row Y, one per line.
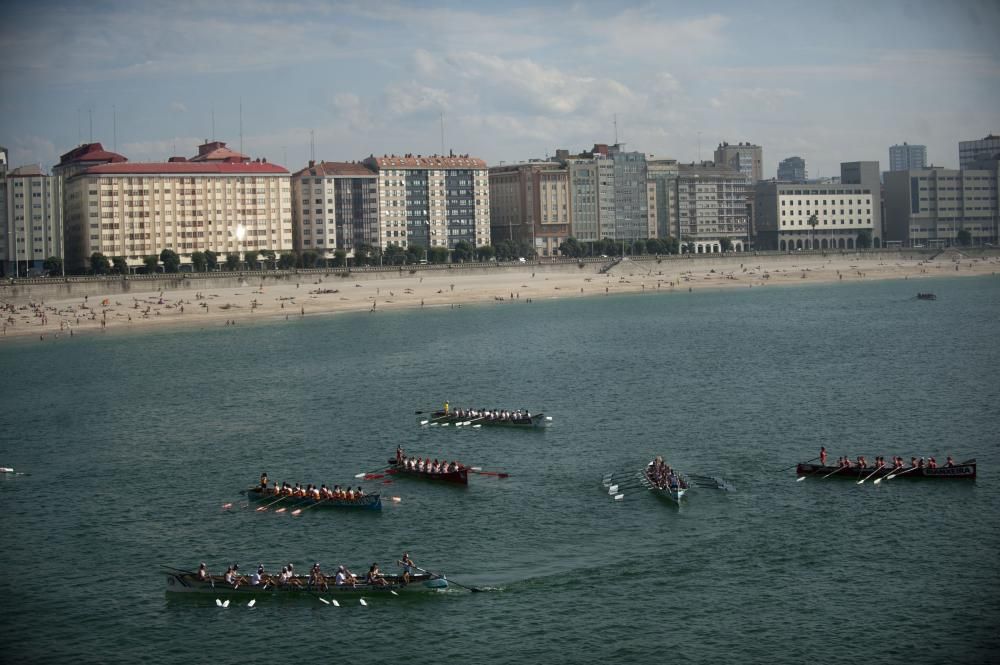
column 156, row 304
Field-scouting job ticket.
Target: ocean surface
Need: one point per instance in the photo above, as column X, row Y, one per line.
column 134, row 442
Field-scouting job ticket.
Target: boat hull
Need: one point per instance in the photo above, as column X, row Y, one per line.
column 963, row 471
column 672, row 494
column 367, row 502
column 535, row 422
column 187, row 583
column 460, row 477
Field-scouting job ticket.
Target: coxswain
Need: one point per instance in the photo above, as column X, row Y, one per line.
column 822, row 455
column 399, row 454
column 407, row 563
column 202, row 573
column 446, row 408
column 950, row 462
column 263, row 481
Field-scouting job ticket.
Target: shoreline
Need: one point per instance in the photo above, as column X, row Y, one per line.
column 195, row 303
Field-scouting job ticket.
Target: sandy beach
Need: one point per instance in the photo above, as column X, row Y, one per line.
column 43, row 312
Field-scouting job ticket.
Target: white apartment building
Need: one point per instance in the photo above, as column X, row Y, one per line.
column 29, row 224
column 785, row 215
column 219, row 201
column 335, row 206
column 432, row 201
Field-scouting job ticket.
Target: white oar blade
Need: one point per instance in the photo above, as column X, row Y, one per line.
column 363, row 602
column 475, row 468
column 467, row 422
column 396, row 499
column 335, row 603
column 252, row 603
column 218, row 602
column 226, row 604
column 360, row 475
column 876, row 481
column 324, row 601
column 393, row 592
column 476, row 426
column 619, row 497
column 423, row 422
column 612, row 489
column 800, row 479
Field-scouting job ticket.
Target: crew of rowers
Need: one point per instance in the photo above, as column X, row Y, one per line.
column 426, row 465
column 663, row 476
column 315, row 580
column 501, row 415
column 309, row 491
column 897, row 463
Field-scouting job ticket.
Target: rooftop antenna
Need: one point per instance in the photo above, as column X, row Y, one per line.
column 241, row 124
column 213, row 124
column 114, row 125
column 699, row 146
column 90, row 112
column 79, row 126
column 312, row 145
column 616, row 129
column 442, row 132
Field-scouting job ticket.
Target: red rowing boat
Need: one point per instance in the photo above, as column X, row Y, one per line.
column 459, row 477
column 964, row 470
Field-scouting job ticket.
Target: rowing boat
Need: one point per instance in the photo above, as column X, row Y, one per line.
column 537, row 421
column 674, row 492
column 368, row 501
column 183, row 582
column 964, row 470
column 459, row 477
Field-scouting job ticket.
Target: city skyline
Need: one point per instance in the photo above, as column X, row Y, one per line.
column 513, row 81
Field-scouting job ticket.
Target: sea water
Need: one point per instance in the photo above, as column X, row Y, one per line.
column 134, row 443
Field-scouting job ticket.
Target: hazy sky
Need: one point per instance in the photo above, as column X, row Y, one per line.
column 830, row 81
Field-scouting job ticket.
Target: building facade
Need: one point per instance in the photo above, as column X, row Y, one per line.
column 906, row 157
column 29, row 224
column 218, row 201
column 930, row 207
column 432, row 201
column 530, row 203
column 809, row 216
column 335, row 206
column 710, row 206
column 986, row 148
column 662, row 177
column 746, row 158
column 792, row 169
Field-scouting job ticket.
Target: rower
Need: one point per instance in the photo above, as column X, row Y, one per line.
column 358, row 493
column 950, row 461
column 374, row 577
column 399, row 454
column 263, row 481
column 202, row 573
column 316, row 577
column 932, row 463
column 230, row 575
column 822, row 456
column 256, row 578
column 344, row 577
column 407, row 563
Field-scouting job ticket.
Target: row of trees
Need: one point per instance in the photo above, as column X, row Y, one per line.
column 607, row 247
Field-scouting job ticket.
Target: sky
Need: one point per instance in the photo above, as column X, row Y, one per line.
column 511, row 81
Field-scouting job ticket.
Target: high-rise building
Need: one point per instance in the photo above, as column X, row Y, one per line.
column 662, row 175
column 218, row 200
column 905, row 157
column 792, row 169
column 811, row 216
column 867, row 174
column 931, row 207
column 335, row 206
column 986, row 148
column 432, row 201
column 746, row 158
column 711, row 206
column 29, row 233
column 530, row 203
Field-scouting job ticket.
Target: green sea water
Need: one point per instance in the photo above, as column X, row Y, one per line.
column 134, row 442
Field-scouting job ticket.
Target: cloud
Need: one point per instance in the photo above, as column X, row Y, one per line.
column 178, row 107
column 25, row 150
column 409, row 98
column 746, row 100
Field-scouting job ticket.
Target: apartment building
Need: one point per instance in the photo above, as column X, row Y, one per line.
column 812, row 216
column 432, row 201
column 29, row 228
column 746, row 158
column 792, row 169
column 530, row 203
column 930, row 207
column 711, row 205
column 906, row 157
column 986, row 148
column 662, row 177
column 335, row 206
column 219, row 200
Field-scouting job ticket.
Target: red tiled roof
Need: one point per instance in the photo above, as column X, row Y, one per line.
column 180, row 168
column 426, row 162
column 90, row 152
column 334, row 169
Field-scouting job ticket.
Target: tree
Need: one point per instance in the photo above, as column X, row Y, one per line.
column 171, row 261
column 415, row 253
column 286, row 261
column 232, row 262
column 394, row 255
column 670, row 245
column 151, row 262
column 211, row 259
column 864, row 240
column 364, row 253
column 726, row 244
column 99, row 264
column 198, row 261
column 308, row 259
column 53, row 264
column 250, row 258
column 486, row 252
column 813, row 221
column 120, row 264
column 438, row 255
column 505, row 250
column 269, row 257
column 964, row 238
column 464, row 251
column 571, row 247
column 339, row 258
column 638, row 247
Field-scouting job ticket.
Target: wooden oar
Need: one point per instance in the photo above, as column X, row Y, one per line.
column 433, row 574
column 796, row 464
column 877, row 469
column 801, row 478
column 837, row 470
column 297, row 503
column 498, row 474
column 368, row 473
column 261, row 509
column 893, row 475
